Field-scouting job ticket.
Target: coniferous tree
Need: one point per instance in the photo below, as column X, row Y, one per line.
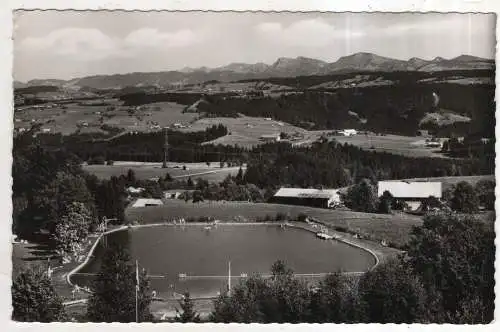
column 187, row 313
column 113, row 297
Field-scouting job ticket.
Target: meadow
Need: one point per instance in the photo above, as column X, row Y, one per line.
column 245, row 131
column 403, row 145
column 393, row 228
column 144, row 171
column 67, row 118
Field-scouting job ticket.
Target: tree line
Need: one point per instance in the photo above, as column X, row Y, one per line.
column 334, row 165
column 139, row 146
column 52, row 193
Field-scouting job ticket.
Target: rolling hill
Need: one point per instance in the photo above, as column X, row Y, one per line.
column 282, row 67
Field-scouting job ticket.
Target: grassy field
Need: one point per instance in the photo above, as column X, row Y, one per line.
column 392, row 228
column 402, row 145
column 66, row 120
column 144, row 171
column 448, row 181
column 245, row 131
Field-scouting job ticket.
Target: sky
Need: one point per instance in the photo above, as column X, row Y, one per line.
column 70, row 44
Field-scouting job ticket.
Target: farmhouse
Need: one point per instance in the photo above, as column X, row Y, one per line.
column 270, row 138
column 348, row 132
column 172, row 194
column 134, row 190
column 142, row 202
column 324, row 198
column 412, row 193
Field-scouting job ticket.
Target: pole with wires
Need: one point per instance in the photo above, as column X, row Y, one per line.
column 136, row 292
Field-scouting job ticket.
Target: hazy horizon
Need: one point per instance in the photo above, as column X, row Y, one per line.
column 69, row 44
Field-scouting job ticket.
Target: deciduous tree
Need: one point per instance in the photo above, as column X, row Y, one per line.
column 73, row 227
column 464, row 198
column 392, row 294
column 454, row 256
column 34, row 298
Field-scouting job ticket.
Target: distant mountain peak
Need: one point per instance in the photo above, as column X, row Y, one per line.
column 438, row 59
column 468, row 58
column 282, row 67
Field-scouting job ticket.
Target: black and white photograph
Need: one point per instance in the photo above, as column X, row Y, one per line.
column 253, row 167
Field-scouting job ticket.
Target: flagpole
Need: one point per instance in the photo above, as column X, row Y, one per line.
column 229, row 280
column 136, row 291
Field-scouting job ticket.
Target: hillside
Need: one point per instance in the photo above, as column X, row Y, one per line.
column 282, row 67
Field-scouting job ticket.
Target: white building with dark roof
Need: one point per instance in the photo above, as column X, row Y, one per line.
column 324, row 198
column 412, row 193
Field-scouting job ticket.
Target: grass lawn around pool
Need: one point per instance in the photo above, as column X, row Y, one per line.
column 393, row 228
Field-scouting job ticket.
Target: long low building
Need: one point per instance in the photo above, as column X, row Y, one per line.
column 324, row 198
column 412, row 193
column 142, row 202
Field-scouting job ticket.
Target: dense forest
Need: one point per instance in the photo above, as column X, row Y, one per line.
column 404, row 77
column 183, row 146
column 326, row 164
column 396, row 108
column 336, row 165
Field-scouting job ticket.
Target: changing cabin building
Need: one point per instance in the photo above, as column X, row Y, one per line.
column 412, row 193
column 323, row 198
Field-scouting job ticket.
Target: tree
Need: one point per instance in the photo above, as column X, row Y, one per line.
column 464, row 198
column 73, row 228
column 290, row 300
column 392, row 294
column 385, row 202
column 362, row 197
column 279, row 299
column 239, row 176
column 131, row 178
column 113, row 297
column 197, row 196
column 485, row 190
column 188, row 313
column 430, row 203
column 34, row 298
column 53, row 200
column 454, row 257
column 328, row 301
column 365, row 173
column 110, row 199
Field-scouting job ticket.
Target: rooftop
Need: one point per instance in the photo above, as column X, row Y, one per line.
column 306, row 193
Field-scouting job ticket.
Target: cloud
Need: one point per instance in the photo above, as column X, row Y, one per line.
column 89, row 44
column 455, row 24
column 148, row 37
column 305, row 33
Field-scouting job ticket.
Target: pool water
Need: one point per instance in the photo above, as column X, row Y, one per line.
column 204, row 255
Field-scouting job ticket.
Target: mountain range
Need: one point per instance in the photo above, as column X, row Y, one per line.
column 282, row 67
